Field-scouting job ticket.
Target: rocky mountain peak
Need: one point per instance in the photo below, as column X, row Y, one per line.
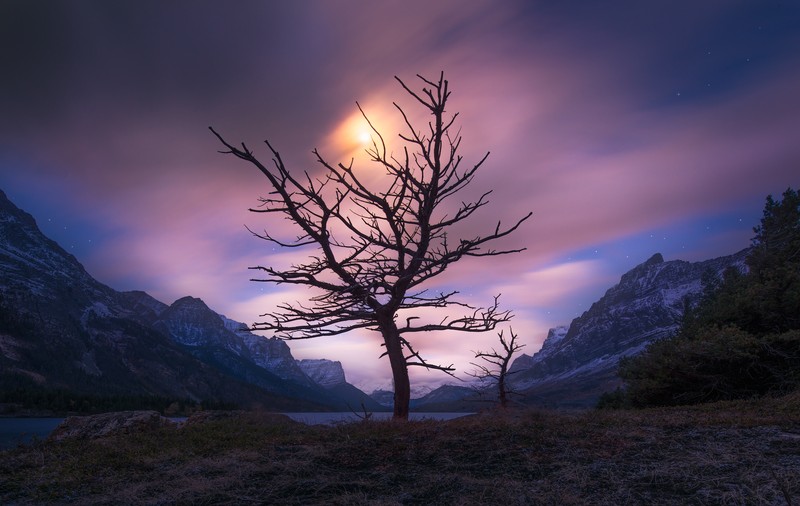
column 654, row 260
column 326, row 373
column 190, row 322
column 524, row 361
column 143, row 305
column 274, row 354
column 29, row 258
column 555, row 335
column 11, row 213
column 190, row 303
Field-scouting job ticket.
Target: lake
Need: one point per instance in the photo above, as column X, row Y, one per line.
column 14, row 431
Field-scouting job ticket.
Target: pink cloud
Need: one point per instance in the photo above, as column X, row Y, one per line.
column 569, row 110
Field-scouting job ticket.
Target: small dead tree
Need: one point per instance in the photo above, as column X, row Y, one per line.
column 498, row 363
column 377, row 247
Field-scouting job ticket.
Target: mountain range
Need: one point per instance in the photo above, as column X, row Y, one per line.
column 577, row 363
column 62, row 330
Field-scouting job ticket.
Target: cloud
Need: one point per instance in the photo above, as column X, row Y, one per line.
column 578, row 105
column 553, row 285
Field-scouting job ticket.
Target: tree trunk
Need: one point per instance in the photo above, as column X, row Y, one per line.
column 501, row 387
column 501, row 381
column 402, row 385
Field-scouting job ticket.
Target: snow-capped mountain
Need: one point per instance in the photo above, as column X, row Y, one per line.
column 554, row 336
column 62, row 329
column 383, row 397
column 576, row 366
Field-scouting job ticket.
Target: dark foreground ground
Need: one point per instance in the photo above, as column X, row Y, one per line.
column 726, row 453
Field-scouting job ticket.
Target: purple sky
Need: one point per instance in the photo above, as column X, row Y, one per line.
column 627, row 127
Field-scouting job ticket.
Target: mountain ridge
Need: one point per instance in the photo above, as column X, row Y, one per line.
column 575, row 368
column 62, row 329
column 578, row 362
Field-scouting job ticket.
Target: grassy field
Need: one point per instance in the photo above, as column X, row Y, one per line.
column 725, row 453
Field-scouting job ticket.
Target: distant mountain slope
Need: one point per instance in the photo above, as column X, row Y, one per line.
column 574, row 367
column 62, row 329
column 451, row 398
column 446, row 398
column 329, row 374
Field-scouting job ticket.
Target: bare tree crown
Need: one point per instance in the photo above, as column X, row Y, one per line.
column 497, row 364
column 375, row 249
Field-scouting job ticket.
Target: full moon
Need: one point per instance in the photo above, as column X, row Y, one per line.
column 364, row 137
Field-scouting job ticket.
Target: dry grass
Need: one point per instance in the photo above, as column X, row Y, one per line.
column 727, row 453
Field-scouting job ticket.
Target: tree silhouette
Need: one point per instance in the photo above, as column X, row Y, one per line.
column 497, row 362
column 376, row 248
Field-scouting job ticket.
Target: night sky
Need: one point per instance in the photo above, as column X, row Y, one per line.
column 627, row 127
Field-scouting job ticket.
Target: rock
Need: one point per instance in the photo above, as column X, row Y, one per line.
column 107, row 424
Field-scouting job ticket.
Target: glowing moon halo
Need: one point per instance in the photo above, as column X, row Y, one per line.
column 352, row 136
column 364, row 137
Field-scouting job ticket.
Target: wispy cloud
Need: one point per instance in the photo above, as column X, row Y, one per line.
column 607, row 121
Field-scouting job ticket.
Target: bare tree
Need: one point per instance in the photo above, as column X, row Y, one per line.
column 500, row 361
column 376, row 248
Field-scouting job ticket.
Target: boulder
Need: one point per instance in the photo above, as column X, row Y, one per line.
column 107, row 424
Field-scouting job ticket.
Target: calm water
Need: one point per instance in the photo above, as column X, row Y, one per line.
column 14, row 431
